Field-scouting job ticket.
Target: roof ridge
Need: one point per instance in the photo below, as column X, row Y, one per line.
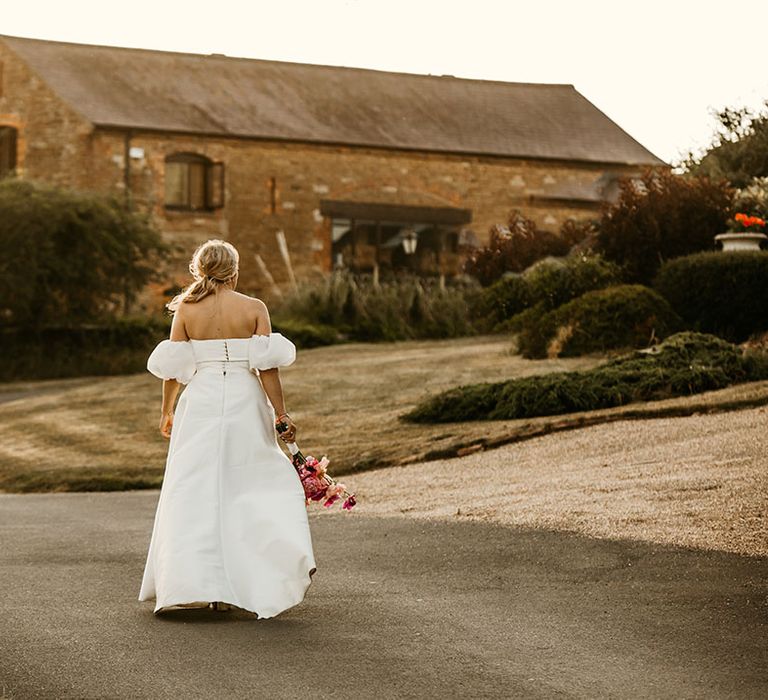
column 225, row 57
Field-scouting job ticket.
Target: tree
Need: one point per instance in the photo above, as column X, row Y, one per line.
column 69, row 257
column 739, row 149
column 661, row 216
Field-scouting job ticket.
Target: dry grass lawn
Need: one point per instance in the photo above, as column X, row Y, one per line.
column 101, row 433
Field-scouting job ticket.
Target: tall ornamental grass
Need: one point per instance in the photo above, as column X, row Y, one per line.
column 352, row 307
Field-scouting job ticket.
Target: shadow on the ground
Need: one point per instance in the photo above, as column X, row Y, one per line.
column 398, row 608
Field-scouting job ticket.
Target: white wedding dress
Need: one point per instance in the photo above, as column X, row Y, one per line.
column 231, row 521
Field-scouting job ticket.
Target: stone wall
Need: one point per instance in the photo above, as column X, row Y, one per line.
column 304, row 174
column 53, row 140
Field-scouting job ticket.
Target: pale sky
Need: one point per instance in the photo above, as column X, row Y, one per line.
column 656, row 67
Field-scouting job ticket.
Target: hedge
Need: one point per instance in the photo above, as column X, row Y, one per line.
column 686, row 363
column 120, row 347
column 624, row 316
column 721, row 293
column 307, row 335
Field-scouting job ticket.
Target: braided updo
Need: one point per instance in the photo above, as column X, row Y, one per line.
column 214, row 263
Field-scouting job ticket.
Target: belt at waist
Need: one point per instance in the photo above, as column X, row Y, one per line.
column 223, row 364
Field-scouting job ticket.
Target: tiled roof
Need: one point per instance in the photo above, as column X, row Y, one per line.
column 157, row 90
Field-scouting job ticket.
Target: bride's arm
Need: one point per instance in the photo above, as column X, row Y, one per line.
column 270, row 378
column 171, row 386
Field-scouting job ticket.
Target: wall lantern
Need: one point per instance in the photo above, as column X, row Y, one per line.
column 410, row 238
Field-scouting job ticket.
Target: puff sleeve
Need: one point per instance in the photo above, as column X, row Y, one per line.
column 268, row 351
column 173, row 359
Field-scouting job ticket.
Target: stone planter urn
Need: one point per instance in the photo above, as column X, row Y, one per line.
column 741, row 240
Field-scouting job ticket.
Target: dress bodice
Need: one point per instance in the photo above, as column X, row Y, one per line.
column 181, row 359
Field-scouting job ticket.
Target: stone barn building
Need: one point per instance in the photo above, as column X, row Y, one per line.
column 342, row 167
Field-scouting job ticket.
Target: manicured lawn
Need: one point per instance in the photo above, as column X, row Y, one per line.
column 101, row 433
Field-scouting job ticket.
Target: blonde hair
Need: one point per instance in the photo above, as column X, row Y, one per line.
column 214, row 263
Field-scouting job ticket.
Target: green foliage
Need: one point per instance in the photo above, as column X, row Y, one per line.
column 69, row 257
column 739, row 150
column 662, row 216
column 753, row 201
column 624, row 316
column 120, row 347
column 721, row 293
column 306, row 335
column 399, row 309
column 502, row 300
column 684, row 364
column 547, row 284
column 513, row 248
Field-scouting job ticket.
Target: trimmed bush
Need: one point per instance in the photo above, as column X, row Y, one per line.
column 501, row 301
column 307, row 335
column 625, row 316
column 121, row 347
column 548, row 283
column 684, row 364
column 721, row 293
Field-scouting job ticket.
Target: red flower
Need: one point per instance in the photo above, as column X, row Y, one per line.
column 748, row 221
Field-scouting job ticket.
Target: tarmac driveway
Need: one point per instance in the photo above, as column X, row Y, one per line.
column 399, row 608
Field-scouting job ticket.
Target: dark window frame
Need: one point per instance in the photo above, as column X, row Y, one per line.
column 213, row 187
column 9, row 150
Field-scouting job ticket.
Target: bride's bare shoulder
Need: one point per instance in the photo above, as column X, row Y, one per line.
column 247, row 297
column 254, row 302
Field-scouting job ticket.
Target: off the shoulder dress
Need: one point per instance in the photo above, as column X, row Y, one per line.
column 231, row 522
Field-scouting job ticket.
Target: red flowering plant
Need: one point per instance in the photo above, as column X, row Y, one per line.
column 744, row 222
column 318, row 484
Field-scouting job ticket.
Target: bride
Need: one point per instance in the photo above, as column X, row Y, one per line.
column 231, row 526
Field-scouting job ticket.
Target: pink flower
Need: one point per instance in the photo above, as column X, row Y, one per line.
column 334, row 490
column 349, row 503
column 333, row 498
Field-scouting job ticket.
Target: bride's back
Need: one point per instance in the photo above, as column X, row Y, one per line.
column 225, row 314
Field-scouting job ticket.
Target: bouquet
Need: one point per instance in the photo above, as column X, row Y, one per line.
column 318, row 484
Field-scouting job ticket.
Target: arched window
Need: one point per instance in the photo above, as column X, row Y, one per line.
column 193, row 182
column 8, row 138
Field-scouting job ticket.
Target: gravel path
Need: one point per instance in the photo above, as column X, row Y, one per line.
column 700, row 481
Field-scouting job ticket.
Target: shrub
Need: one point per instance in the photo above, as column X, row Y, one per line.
column 504, row 299
column 68, row 257
column 306, row 335
column 684, row 364
column 625, row 316
column 120, row 347
column 548, row 283
column 721, row 293
column 513, row 248
column 660, row 217
column 555, row 283
column 398, row 309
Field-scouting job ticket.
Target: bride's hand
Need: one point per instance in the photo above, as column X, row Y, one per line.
column 288, row 435
column 166, row 424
